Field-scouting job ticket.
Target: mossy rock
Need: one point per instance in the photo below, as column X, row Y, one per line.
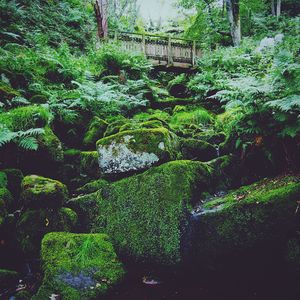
column 34, row 224
column 7, row 92
column 8, row 279
column 194, row 119
column 3, row 180
column 22, row 295
column 292, row 253
column 197, row 150
column 7, row 198
column 134, row 150
column 172, row 102
column 177, row 87
column 88, row 208
column 3, row 213
column 89, row 164
column 47, row 158
column 92, row 186
column 14, row 180
column 38, row 99
column 96, row 130
column 114, row 127
column 41, row 192
column 26, row 117
column 261, row 214
column 146, row 214
column 78, row 266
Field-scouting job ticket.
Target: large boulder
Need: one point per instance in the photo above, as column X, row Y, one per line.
column 96, row 130
column 146, row 214
column 198, row 150
column 135, row 150
column 41, row 192
column 258, row 215
column 34, row 224
column 78, row 266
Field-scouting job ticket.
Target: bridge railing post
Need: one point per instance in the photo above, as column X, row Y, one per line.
column 144, row 43
column 116, row 35
column 194, row 53
column 170, row 58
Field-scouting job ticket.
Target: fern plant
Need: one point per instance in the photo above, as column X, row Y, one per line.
column 26, row 140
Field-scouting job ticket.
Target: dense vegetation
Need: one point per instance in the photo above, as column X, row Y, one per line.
column 95, row 140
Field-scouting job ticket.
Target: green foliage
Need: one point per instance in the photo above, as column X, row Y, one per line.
column 69, row 255
column 47, row 22
column 113, row 60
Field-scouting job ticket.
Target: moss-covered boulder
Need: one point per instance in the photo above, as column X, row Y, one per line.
column 92, row 186
column 89, row 164
column 197, row 150
column 3, row 180
column 8, row 278
column 34, row 224
column 88, row 208
column 7, row 198
column 96, row 130
column 261, row 214
column 78, row 266
column 134, row 150
column 14, row 180
column 115, row 126
column 146, row 214
column 41, row 192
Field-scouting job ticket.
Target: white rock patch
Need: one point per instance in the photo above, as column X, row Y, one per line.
column 118, row 158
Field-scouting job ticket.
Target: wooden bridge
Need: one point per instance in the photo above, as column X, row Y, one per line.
column 161, row 50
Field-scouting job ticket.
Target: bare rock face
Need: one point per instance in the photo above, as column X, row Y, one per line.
column 135, row 150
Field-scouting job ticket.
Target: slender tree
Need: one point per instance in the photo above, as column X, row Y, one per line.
column 233, row 11
column 101, row 11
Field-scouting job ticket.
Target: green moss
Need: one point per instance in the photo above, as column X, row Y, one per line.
column 34, row 224
column 7, row 198
column 262, row 213
column 92, row 186
column 3, row 180
column 143, row 213
column 8, row 278
column 3, row 212
column 7, row 92
column 197, row 150
column 50, row 146
column 14, row 180
column 70, row 153
column 26, row 117
column 96, row 130
column 78, row 266
column 184, row 119
column 89, row 164
column 152, row 114
column 23, row 295
column 114, row 127
column 41, row 192
column 88, row 208
column 260, row 192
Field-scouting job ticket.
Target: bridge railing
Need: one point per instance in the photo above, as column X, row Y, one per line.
column 161, row 50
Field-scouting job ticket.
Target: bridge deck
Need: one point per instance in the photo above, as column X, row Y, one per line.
column 161, row 50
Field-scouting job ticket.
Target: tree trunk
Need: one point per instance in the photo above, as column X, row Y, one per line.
column 273, row 8
column 278, row 8
column 233, row 10
column 101, row 8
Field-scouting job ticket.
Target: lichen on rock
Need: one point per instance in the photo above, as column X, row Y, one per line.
column 134, row 150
